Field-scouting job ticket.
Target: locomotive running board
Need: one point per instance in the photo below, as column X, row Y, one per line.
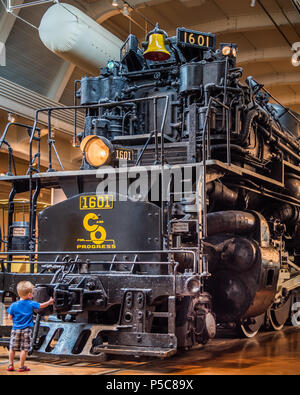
column 76, row 341
column 139, row 351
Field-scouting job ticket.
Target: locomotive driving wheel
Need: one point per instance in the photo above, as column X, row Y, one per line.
column 278, row 314
column 249, row 327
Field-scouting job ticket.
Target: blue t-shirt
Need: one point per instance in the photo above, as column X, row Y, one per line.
column 22, row 313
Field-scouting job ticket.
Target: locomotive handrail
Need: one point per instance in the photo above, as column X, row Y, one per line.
column 57, row 253
column 94, row 106
column 10, row 149
column 206, row 156
column 2, row 139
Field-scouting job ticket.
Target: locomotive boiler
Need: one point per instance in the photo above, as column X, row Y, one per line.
column 184, row 216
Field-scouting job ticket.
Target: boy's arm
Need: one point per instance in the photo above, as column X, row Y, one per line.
column 46, row 304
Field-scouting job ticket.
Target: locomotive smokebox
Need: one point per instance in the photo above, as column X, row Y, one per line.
column 75, row 37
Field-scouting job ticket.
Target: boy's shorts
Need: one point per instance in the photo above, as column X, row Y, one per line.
column 20, row 339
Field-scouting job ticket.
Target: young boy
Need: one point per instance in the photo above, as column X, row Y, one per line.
column 21, row 313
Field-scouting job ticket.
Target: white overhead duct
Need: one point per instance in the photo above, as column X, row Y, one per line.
column 76, row 37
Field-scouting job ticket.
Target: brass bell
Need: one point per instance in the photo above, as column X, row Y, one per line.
column 156, row 50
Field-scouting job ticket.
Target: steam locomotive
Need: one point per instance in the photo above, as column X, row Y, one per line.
column 184, row 216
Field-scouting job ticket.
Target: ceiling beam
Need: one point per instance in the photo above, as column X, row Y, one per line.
column 244, row 23
column 107, row 15
column 290, row 100
column 7, row 22
column 264, row 55
column 272, row 80
column 101, row 11
column 21, row 101
column 29, row 113
column 62, row 78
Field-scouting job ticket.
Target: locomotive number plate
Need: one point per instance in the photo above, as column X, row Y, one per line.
column 191, row 38
column 124, row 154
column 97, row 202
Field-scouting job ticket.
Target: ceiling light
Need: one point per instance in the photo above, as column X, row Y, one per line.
column 253, row 2
column 11, row 118
column 44, row 132
column 126, row 11
column 115, row 3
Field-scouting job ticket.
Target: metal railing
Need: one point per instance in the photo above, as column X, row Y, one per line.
column 202, row 199
column 10, row 149
column 60, row 258
column 124, row 103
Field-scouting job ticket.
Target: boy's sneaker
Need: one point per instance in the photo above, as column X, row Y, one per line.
column 24, row 369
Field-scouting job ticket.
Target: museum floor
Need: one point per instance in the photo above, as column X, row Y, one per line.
column 268, row 353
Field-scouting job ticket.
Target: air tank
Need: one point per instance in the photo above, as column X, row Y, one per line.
column 74, row 36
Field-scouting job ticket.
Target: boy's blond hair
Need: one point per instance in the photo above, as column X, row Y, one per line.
column 24, row 288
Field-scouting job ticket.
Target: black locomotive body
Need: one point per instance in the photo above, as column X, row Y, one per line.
column 185, row 214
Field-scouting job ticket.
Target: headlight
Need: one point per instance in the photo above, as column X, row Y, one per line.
column 229, row 49
column 97, row 150
column 193, row 285
column 226, row 51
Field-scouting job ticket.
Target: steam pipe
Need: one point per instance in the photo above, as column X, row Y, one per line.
column 230, row 222
column 220, row 222
column 280, row 145
column 297, row 249
column 264, row 120
column 221, row 193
